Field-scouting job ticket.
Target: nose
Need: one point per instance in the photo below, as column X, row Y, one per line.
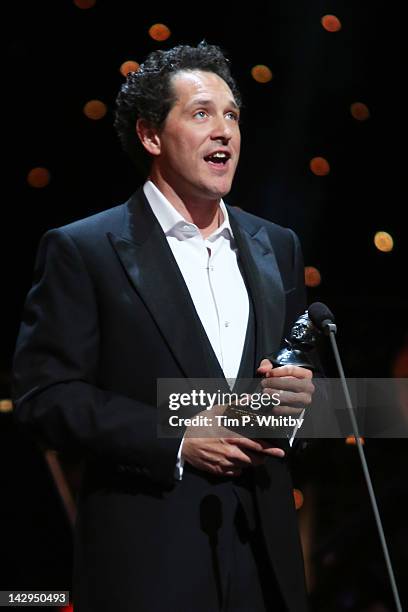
column 221, row 130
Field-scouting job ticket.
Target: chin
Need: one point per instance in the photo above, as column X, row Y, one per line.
column 220, row 190
column 217, row 194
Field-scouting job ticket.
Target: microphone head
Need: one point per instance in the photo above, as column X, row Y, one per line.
column 319, row 313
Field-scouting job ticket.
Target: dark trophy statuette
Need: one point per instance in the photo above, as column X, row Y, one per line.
column 302, row 339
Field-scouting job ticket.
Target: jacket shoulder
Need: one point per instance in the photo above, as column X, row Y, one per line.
column 253, row 223
column 107, row 220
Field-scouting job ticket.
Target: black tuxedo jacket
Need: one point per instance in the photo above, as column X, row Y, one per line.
column 108, row 314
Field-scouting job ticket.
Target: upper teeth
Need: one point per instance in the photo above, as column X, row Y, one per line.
column 219, row 154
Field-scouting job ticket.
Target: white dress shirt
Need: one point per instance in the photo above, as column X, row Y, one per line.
column 210, row 269
column 211, row 272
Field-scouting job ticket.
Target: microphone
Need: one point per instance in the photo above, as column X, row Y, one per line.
column 323, row 319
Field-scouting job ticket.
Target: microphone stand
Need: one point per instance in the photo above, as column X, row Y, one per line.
column 330, row 330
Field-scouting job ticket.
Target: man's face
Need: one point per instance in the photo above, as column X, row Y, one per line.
column 200, row 141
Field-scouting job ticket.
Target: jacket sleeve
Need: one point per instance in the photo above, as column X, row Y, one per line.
column 55, row 380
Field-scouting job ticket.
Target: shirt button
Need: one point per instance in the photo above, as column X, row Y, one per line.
column 226, row 323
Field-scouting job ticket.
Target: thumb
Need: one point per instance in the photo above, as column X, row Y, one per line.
column 265, row 366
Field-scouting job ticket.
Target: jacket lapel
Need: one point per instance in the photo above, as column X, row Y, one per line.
column 263, row 278
column 151, row 268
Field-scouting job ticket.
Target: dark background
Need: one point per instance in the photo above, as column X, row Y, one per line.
column 59, row 57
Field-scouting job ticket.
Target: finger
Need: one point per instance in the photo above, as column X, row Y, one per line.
column 245, row 443
column 229, row 459
column 269, row 448
column 251, row 459
column 274, row 451
column 303, row 385
column 264, row 366
column 291, row 370
column 238, row 457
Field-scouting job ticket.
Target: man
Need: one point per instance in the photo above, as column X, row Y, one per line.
column 172, row 284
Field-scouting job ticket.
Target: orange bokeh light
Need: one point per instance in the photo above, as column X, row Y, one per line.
column 95, row 109
column 84, row 4
column 331, row 23
column 384, row 242
column 359, row 111
column 159, row 32
column 319, row 166
column 400, row 370
column 298, row 497
column 6, row 405
column 313, row 277
column 261, row 73
column 352, row 440
column 129, row 66
column 38, row 177
column 400, row 366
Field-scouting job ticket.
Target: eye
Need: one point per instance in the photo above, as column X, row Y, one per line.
column 232, row 115
column 200, row 114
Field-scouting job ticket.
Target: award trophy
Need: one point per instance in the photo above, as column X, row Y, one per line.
column 302, row 339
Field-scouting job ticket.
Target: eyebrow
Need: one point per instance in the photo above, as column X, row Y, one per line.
column 209, row 102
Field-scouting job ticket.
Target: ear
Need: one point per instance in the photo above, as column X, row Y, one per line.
column 149, row 136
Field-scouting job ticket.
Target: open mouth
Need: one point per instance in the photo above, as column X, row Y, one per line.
column 218, row 157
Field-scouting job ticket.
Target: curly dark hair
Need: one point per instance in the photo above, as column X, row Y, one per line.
column 148, row 93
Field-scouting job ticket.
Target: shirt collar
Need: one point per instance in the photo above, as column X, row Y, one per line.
column 173, row 223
